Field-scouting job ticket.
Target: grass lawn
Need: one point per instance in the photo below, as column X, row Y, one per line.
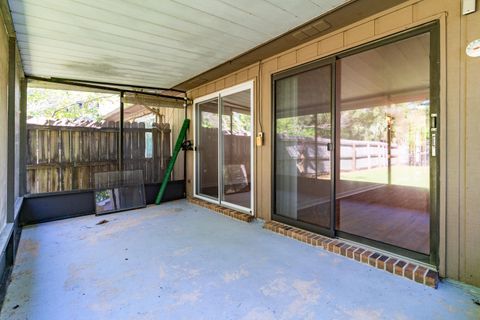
column 401, row 175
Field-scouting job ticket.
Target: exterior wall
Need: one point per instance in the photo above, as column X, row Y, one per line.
column 4, row 104
column 470, row 214
column 241, row 76
column 460, row 115
column 3, row 122
column 18, row 79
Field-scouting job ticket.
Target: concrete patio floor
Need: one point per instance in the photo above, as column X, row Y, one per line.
column 180, row 261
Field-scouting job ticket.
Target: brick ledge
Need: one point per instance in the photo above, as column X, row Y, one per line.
column 225, row 211
column 378, row 260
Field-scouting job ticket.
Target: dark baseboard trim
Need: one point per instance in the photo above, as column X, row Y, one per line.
column 46, row 207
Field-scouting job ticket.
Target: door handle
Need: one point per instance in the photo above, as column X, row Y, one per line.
column 329, row 146
column 433, row 131
column 434, row 145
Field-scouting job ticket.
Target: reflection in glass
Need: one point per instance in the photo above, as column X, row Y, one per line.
column 383, row 187
column 207, row 149
column 302, row 159
column 237, row 132
column 119, row 190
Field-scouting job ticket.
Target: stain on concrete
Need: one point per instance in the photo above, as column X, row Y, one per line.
column 116, row 227
column 161, row 272
column 307, row 295
column 276, row 287
column 23, row 274
column 224, row 269
column 29, row 246
column 187, row 298
column 75, row 276
column 364, row 314
column 259, row 314
column 235, row 275
column 182, row 252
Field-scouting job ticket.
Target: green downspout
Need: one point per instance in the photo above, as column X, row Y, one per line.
column 171, row 163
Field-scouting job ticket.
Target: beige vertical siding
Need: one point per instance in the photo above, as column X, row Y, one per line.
column 471, row 233
column 460, row 118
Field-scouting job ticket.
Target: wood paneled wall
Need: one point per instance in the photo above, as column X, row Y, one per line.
column 460, row 116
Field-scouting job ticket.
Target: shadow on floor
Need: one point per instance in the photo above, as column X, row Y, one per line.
column 180, row 261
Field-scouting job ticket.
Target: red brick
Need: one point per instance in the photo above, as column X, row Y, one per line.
column 321, row 242
column 390, row 265
column 409, row 270
column 431, row 279
column 309, row 240
column 331, row 245
column 337, row 246
column 365, row 256
column 316, row 240
column 350, row 251
column 420, row 274
column 326, row 243
column 358, row 254
column 372, row 260
column 381, row 262
column 399, row 267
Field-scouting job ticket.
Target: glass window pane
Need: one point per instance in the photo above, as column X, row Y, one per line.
column 383, row 187
column 237, row 134
column 302, row 159
column 207, row 148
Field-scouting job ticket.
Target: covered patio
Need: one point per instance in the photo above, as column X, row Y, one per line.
column 182, row 261
column 252, row 159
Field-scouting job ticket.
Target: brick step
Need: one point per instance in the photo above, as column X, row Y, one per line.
column 225, row 211
column 378, row 260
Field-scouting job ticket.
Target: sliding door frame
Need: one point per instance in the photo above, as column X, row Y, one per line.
column 329, row 61
column 433, row 28
column 220, row 147
column 196, row 117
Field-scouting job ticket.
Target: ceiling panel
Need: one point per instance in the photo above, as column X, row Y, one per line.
column 151, row 42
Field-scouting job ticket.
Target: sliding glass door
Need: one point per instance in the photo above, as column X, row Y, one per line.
column 236, row 143
column 383, row 185
column 207, row 148
column 376, row 181
column 303, row 153
column 224, row 148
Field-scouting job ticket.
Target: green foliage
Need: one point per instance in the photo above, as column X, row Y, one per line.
column 70, row 105
column 102, row 195
column 410, row 123
column 367, row 124
column 304, row 126
column 240, row 123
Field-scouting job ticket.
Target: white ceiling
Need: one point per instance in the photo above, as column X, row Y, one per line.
column 157, row 43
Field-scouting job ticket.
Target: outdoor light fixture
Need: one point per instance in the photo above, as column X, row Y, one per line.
column 473, row 49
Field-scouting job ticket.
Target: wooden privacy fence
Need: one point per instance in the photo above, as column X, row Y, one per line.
column 62, row 158
column 313, row 159
column 236, row 150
